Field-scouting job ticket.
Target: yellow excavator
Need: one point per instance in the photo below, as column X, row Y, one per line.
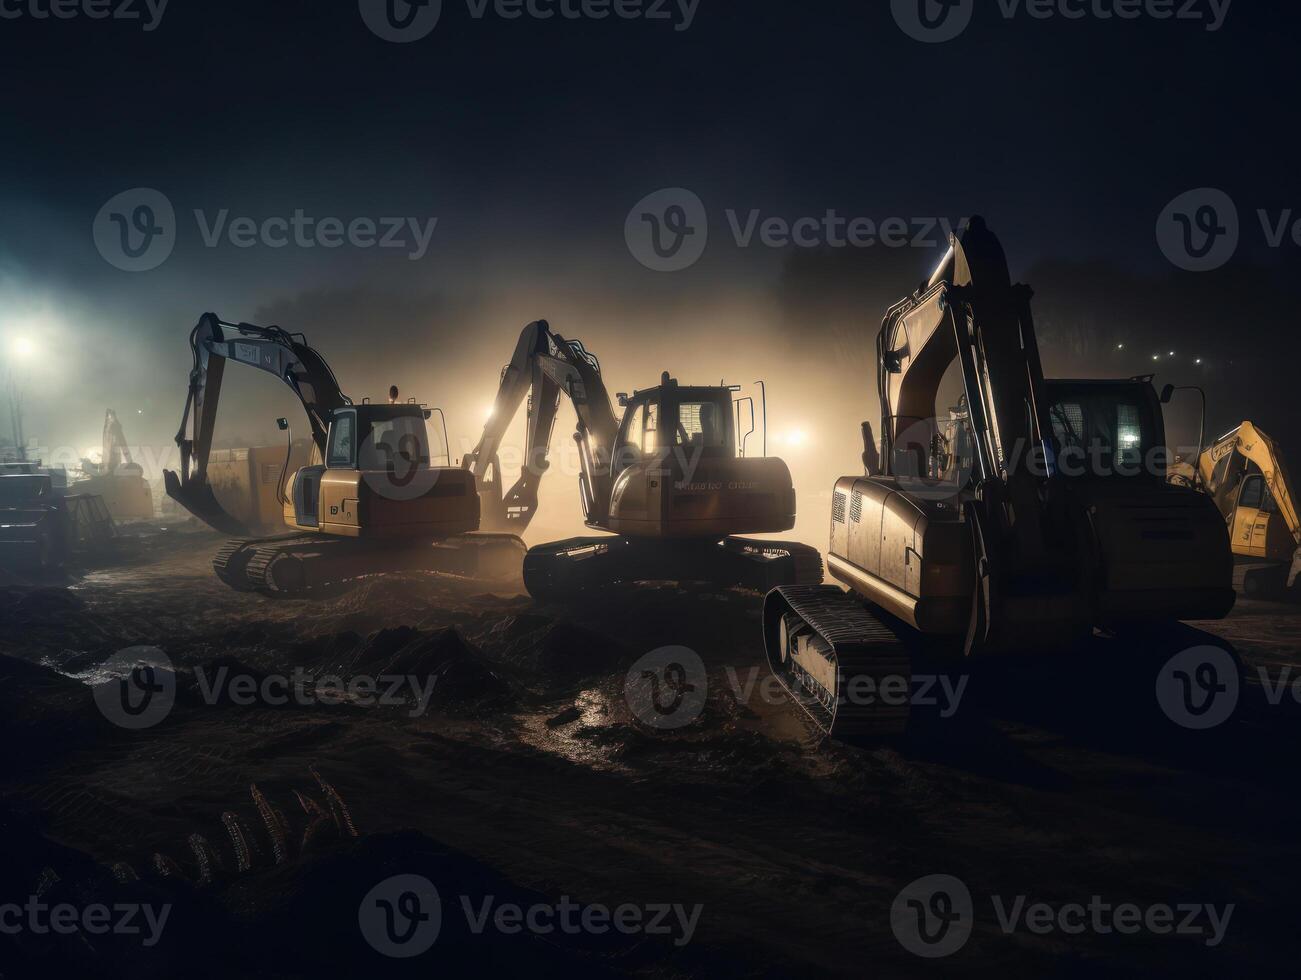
column 370, row 501
column 1245, row 475
column 670, row 485
column 1042, row 521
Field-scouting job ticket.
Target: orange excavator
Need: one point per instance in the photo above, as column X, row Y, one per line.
column 1043, row 520
column 369, row 502
column 670, row 485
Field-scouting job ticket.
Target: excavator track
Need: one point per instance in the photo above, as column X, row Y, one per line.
column 568, row 569
column 848, row 670
column 312, row 564
column 231, row 562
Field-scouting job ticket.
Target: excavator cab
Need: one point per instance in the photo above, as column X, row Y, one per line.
column 677, row 473
column 377, row 480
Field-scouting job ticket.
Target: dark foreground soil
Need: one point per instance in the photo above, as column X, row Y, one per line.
column 531, row 780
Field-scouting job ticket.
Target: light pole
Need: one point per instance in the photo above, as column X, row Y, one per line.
column 21, row 351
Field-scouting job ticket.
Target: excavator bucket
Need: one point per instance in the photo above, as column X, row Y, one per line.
column 200, row 501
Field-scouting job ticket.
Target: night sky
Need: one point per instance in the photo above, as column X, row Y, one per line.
column 531, row 140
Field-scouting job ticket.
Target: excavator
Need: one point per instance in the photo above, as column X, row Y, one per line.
column 669, row 485
column 368, row 503
column 117, row 477
column 1039, row 521
column 1245, row 475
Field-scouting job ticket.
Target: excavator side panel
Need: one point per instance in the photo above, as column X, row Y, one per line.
column 910, row 557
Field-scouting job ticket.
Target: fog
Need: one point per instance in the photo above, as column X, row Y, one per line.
column 803, row 321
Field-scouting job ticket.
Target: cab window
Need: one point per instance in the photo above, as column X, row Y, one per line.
column 1253, row 492
column 395, row 443
column 640, row 427
column 700, row 423
column 343, row 441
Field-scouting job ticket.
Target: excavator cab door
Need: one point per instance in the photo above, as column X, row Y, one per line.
column 340, row 454
column 1251, row 517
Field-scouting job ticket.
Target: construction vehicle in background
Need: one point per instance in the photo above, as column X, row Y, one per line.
column 1042, row 519
column 249, row 482
column 369, row 502
column 669, row 485
column 42, row 525
column 1244, row 473
column 117, row 478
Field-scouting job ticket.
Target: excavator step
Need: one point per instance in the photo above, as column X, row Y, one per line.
column 849, row 671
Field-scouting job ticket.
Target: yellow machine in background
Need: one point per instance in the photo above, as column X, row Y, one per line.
column 118, row 479
column 1245, row 475
column 249, row 483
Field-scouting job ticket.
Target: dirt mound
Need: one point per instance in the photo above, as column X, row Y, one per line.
column 551, row 649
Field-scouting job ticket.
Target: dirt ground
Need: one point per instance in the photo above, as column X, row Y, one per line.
column 531, row 776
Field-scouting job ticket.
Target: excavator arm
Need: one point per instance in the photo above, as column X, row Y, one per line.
column 543, row 367
column 971, row 312
column 287, row 356
column 1256, row 447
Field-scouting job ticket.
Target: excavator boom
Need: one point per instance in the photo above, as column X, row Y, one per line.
column 287, row 356
column 543, row 367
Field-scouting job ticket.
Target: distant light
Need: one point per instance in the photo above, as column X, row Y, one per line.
column 140, row 411
column 22, row 348
column 1120, row 347
column 1199, row 360
column 1172, row 353
column 1156, row 357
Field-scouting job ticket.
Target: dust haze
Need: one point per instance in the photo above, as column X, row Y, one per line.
column 804, row 321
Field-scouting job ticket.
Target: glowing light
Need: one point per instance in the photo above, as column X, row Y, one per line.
column 489, row 412
column 1199, row 360
column 796, row 437
column 22, row 348
column 1156, row 357
column 1172, row 353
